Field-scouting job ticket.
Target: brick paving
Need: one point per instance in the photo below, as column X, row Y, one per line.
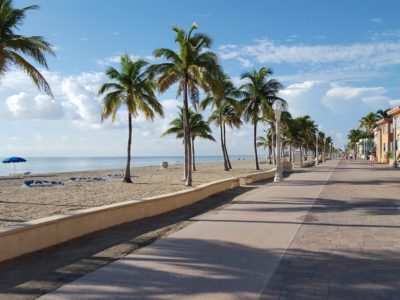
column 349, row 244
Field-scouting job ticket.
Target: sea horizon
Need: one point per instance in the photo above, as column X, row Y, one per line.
column 60, row 164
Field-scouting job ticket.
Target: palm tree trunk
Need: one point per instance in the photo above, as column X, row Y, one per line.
column 127, row 177
column 301, row 155
column 274, row 146
column 193, row 157
column 270, row 154
column 226, row 168
column 184, row 162
column 255, row 145
column 226, row 150
column 188, row 152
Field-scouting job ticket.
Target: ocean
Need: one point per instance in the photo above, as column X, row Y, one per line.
column 40, row 165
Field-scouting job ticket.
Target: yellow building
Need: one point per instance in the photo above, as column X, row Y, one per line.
column 383, row 139
column 395, row 114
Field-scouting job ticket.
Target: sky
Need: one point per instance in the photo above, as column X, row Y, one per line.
column 337, row 60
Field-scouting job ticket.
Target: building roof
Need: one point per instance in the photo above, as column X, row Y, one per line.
column 394, row 111
column 384, row 121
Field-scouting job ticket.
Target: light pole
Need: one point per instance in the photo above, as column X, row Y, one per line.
column 323, row 153
column 316, row 148
column 277, row 107
column 394, row 142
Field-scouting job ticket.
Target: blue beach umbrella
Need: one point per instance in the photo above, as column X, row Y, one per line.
column 13, row 160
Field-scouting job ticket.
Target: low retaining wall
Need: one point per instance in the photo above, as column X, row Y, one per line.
column 257, row 177
column 42, row 233
column 306, row 164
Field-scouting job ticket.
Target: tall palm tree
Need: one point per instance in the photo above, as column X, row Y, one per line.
column 230, row 117
column 14, row 46
column 259, row 93
column 225, row 112
column 368, row 122
column 198, row 128
column 193, row 67
column 130, row 87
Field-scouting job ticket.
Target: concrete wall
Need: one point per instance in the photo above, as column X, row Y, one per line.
column 38, row 234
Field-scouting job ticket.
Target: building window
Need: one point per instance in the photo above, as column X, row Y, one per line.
column 384, row 147
column 385, row 129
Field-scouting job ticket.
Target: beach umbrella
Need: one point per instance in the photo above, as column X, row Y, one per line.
column 13, row 160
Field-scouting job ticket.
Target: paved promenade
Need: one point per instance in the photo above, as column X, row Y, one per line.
column 328, row 232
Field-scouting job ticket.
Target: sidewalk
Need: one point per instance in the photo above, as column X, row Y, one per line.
column 269, row 243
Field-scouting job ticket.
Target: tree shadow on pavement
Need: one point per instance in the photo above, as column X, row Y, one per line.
column 377, row 206
column 193, row 268
column 31, row 275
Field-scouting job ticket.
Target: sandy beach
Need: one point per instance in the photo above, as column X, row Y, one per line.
column 18, row 204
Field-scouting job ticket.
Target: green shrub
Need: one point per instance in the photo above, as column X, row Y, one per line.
column 389, row 155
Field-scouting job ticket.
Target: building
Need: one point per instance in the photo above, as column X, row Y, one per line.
column 364, row 147
column 383, row 139
column 395, row 114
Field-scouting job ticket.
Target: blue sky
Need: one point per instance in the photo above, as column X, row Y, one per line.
column 338, row 60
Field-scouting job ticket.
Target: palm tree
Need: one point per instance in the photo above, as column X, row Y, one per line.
column 258, row 94
column 193, row 67
column 382, row 114
column 198, row 128
column 230, row 117
column 130, row 87
column 368, row 122
column 14, row 46
column 306, row 133
column 329, row 142
column 266, row 142
column 225, row 112
column 354, row 136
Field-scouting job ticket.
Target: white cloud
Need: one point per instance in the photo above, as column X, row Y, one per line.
column 347, row 99
column 394, row 102
column 297, row 89
column 347, row 92
column 375, row 20
column 38, row 138
column 26, row 106
column 365, row 55
column 115, row 59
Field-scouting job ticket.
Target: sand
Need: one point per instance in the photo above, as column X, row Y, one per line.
column 18, row 204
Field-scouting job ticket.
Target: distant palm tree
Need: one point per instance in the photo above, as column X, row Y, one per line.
column 354, row 136
column 259, row 93
column 368, row 122
column 329, row 142
column 198, row 128
column 14, row 46
column 230, row 117
column 306, row 134
column 225, row 111
column 130, row 87
column 266, row 142
column 193, row 67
